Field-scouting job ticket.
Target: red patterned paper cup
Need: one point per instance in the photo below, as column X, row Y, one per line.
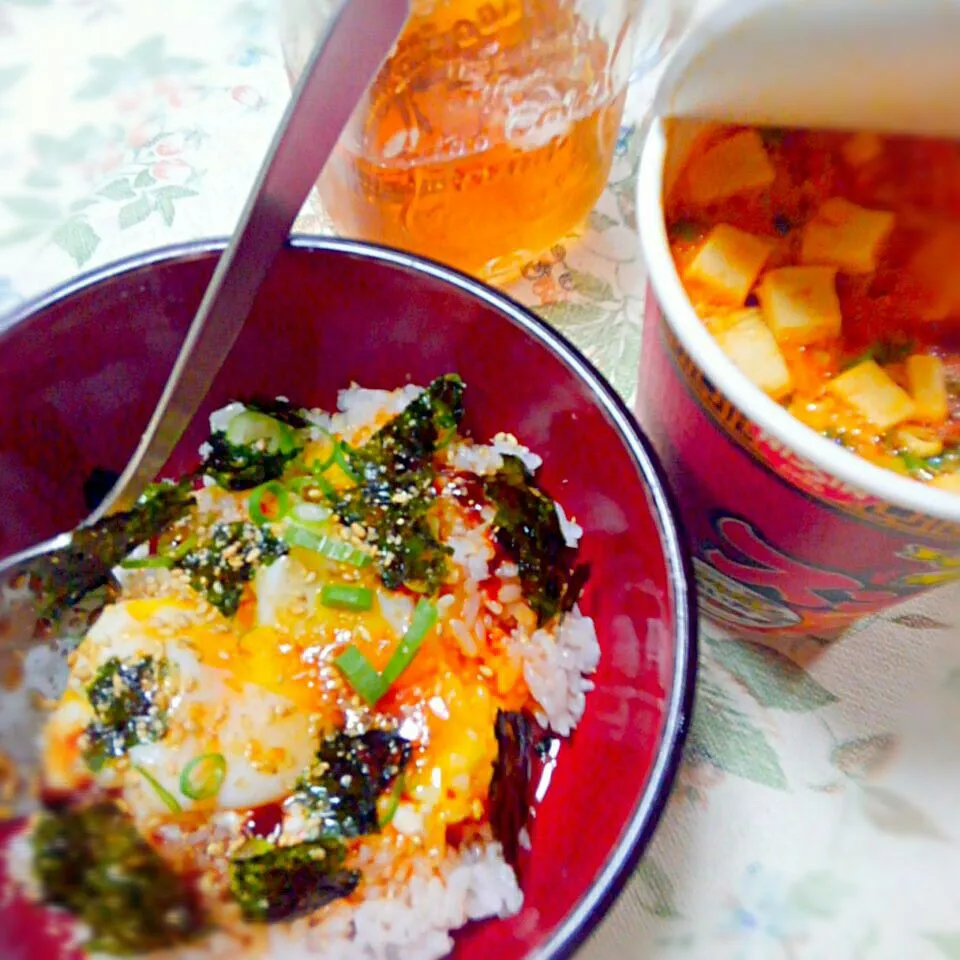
column 790, row 532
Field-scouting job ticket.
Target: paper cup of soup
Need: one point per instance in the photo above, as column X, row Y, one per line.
column 800, row 374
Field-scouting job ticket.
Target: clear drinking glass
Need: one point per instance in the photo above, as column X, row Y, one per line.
column 489, row 132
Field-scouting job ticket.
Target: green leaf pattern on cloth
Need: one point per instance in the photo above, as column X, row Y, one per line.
column 769, row 677
column 818, row 786
column 947, row 943
column 724, row 736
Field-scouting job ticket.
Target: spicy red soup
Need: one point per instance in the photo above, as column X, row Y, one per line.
column 826, row 267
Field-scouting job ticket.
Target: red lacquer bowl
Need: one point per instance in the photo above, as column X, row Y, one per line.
column 81, row 370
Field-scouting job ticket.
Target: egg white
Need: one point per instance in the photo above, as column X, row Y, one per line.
column 264, row 739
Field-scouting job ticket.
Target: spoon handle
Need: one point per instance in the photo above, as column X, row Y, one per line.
column 344, row 61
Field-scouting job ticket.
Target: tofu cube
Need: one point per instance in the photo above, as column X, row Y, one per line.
column 927, row 381
column 734, row 165
column 748, row 342
column 861, row 148
column 874, row 394
column 727, row 265
column 947, row 481
column 800, row 304
column 846, row 236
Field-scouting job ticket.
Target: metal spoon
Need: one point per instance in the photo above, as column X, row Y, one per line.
column 344, row 61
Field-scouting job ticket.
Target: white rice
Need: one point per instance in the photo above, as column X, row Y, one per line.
column 572, row 531
column 508, row 444
column 472, row 552
column 413, row 921
column 360, row 407
column 487, row 459
column 555, row 669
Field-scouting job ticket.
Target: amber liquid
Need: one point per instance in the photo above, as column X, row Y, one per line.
column 487, row 137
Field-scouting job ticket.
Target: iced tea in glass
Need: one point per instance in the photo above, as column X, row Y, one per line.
column 489, row 132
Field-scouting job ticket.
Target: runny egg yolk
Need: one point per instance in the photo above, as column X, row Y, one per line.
column 451, row 775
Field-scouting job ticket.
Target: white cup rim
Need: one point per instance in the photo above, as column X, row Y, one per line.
column 774, row 419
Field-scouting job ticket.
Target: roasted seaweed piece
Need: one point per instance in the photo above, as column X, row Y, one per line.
column 66, row 576
column 131, row 702
column 94, row 864
column 395, row 490
column 394, row 513
column 528, row 528
column 281, row 410
column 226, row 558
column 509, row 795
column 408, row 442
column 349, row 774
column 280, row 883
column 236, row 466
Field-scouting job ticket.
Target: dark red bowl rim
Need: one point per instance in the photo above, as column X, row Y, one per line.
column 595, row 902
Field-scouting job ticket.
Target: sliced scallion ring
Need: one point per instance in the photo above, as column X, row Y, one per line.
column 203, row 776
column 147, row 563
column 346, row 596
column 325, row 545
column 399, row 785
column 423, row 620
column 360, row 674
column 309, row 513
column 169, row 800
column 184, row 548
column 318, row 465
column 342, row 459
column 282, row 503
column 251, row 427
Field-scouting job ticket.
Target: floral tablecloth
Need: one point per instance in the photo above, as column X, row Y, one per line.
column 815, row 814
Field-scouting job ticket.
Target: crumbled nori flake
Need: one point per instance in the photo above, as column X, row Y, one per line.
column 528, row 528
column 227, row 558
column 281, row 883
column 237, row 466
column 92, row 862
column 395, row 489
column 350, row 773
column 509, row 795
column 66, row 576
column 131, row 701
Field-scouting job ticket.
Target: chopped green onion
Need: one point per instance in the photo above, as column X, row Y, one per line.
column 184, row 548
column 318, row 466
column 309, row 489
column 912, row 462
column 320, row 481
column 343, row 461
column 346, row 596
column 147, row 563
column 423, row 620
column 398, row 787
column 255, row 504
column 688, row 230
column 359, row 673
column 307, row 514
column 169, row 800
column 327, row 546
column 254, row 847
column 251, row 427
column 203, row 776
